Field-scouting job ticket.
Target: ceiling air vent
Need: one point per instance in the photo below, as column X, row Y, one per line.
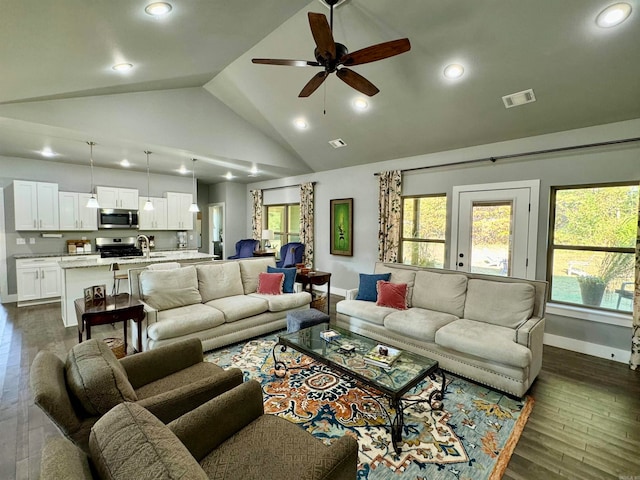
column 337, row 143
column 519, row 98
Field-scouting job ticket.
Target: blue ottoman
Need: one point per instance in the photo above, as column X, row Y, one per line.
column 300, row 319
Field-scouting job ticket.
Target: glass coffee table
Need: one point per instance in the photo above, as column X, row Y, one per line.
column 407, row 371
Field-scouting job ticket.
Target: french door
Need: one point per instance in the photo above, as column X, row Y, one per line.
column 494, row 228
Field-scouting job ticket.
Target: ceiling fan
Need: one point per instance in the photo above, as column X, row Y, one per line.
column 335, row 57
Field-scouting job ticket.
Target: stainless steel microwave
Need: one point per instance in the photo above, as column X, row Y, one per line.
column 117, row 218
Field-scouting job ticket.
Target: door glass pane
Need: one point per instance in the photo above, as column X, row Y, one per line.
column 596, row 279
column 491, row 238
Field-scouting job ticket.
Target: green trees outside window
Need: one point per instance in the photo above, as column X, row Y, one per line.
column 284, row 220
column 424, row 222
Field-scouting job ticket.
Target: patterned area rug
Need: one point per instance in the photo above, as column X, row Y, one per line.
column 471, row 438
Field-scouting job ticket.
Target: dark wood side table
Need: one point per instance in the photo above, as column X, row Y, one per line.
column 114, row 308
column 264, row 253
column 316, row 278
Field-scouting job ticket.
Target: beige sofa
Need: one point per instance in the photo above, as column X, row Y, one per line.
column 482, row 327
column 215, row 302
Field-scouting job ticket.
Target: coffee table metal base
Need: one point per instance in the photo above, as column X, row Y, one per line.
column 397, row 404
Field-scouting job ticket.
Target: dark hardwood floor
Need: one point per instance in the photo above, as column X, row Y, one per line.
column 585, row 423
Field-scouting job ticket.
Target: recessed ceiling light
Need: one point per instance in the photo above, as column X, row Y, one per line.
column 183, row 170
column 122, row 67
column 125, row 163
column 47, row 152
column 157, row 9
column 300, row 123
column 455, row 70
column 228, row 176
column 613, row 15
column 360, row 103
column 253, row 172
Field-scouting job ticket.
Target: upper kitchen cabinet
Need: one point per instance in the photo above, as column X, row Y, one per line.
column 178, row 215
column 155, row 219
column 74, row 214
column 35, row 205
column 113, row 197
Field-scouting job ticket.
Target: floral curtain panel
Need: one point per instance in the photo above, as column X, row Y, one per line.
column 390, row 189
column 634, row 363
column 306, row 221
column 256, row 217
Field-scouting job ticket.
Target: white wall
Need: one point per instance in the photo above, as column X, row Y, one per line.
column 618, row 163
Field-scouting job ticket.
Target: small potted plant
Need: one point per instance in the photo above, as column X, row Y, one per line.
column 613, row 265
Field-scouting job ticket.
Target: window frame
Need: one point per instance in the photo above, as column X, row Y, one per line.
column 551, row 248
column 443, row 241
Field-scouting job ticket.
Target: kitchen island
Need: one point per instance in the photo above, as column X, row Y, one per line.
column 78, row 274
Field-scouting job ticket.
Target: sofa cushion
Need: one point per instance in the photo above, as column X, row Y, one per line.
column 270, row 283
column 418, row 323
column 239, row 306
column 364, row 310
column 393, row 295
column 442, row 292
column 499, row 303
column 96, row 378
column 167, row 298
column 250, row 269
column 490, row 342
column 180, row 321
column 217, row 280
column 129, row 442
column 156, row 284
column 287, row 301
column 368, row 287
column 399, row 275
column 289, row 277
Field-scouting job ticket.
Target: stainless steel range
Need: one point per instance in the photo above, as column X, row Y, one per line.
column 118, row 247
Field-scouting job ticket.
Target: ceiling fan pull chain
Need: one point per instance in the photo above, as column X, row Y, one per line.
column 324, row 109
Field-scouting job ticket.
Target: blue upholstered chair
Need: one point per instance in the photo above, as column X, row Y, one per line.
column 290, row 254
column 245, row 248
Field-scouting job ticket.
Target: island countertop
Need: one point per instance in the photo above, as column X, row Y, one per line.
column 155, row 257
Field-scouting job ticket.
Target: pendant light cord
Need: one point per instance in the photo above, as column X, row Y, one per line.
column 91, row 144
column 148, row 189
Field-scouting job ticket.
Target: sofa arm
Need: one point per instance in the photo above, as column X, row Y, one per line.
column 338, row 462
column 524, row 330
column 152, row 365
column 62, row 459
column 351, row 294
column 172, row 404
column 205, row 428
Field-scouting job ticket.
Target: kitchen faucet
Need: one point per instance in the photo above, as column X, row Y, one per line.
column 146, row 240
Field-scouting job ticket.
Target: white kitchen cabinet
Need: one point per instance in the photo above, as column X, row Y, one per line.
column 155, row 219
column 35, row 205
column 113, row 197
column 178, row 215
column 74, row 214
column 38, row 279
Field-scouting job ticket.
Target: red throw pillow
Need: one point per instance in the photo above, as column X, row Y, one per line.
column 270, row 283
column 393, row 295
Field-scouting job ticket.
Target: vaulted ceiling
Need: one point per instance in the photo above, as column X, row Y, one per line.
column 194, row 93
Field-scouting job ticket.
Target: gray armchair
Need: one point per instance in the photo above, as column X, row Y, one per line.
column 168, row 381
column 228, row 437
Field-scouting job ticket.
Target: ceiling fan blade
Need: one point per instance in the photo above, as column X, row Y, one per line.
column 288, row 63
column 376, row 52
column 313, row 84
column 322, row 35
column 357, row 81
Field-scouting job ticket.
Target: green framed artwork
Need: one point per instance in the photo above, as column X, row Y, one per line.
column 342, row 226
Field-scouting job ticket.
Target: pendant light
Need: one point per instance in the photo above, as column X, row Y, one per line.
column 148, row 206
column 193, row 208
column 93, row 201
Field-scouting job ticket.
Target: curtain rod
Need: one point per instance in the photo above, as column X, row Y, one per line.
column 523, row 154
column 284, row 186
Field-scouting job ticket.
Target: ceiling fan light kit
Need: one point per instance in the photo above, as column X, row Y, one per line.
column 334, row 57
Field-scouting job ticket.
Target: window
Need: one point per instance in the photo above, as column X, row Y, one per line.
column 592, row 237
column 424, row 220
column 284, row 220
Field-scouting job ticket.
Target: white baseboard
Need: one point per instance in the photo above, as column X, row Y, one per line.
column 594, row 349
column 12, row 298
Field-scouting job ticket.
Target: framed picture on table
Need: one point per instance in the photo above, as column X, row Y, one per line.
column 341, row 226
